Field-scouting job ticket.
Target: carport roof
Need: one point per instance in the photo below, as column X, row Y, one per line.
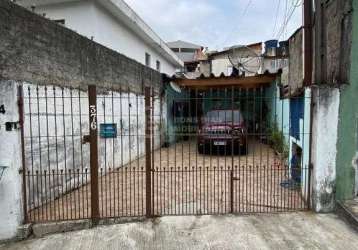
column 202, row 82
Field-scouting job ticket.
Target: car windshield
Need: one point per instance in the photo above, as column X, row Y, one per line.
column 223, row 116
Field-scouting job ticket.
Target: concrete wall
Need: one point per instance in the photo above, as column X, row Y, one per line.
column 324, row 151
column 39, row 51
column 10, row 156
column 295, row 75
column 92, row 20
column 333, row 41
column 347, row 145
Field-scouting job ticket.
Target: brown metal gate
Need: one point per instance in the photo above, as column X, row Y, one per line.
column 105, row 153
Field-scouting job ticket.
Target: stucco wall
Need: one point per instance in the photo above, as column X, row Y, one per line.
column 324, row 150
column 295, row 75
column 347, row 145
column 39, row 51
column 10, row 156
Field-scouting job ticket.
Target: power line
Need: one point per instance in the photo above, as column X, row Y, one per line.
column 276, row 18
column 288, row 18
column 242, row 17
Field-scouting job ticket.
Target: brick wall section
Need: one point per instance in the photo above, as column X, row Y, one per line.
column 37, row 50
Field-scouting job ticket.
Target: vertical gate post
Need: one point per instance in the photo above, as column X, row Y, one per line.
column 20, row 103
column 92, row 101
column 232, row 190
column 148, row 160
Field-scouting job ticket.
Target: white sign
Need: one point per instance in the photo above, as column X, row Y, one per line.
column 93, row 117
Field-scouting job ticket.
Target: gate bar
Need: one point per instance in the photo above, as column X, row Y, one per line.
column 20, row 103
column 92, row 100
column 148, row 160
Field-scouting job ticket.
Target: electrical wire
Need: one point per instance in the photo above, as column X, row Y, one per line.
column 242, row 17
column 276, row 18
column 288, row 17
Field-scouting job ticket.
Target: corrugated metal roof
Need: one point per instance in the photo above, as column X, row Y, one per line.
column 203, row 81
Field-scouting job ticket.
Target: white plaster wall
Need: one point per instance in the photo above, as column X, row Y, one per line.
column 220, row 65
column 324, row 151
column 79, row 16
column 90, row 19
column 10, row 156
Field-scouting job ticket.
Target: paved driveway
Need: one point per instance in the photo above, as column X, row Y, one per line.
column 269, row 231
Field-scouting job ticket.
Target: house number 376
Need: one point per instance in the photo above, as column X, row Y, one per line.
column 93, row 117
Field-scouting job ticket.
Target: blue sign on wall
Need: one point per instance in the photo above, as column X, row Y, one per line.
column 108, row 130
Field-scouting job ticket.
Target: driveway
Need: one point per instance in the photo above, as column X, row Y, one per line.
column 269, row 231
column 186, row 183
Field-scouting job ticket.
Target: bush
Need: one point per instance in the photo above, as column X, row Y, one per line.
column 277, row 140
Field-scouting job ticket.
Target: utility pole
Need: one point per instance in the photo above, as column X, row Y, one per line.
column 308, row 42
column 308, row 70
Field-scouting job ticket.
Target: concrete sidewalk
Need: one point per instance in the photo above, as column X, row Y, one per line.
column 269, row 231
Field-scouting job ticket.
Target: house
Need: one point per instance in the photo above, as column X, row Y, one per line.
column 246, row 58
column 113, row 24
column 191, row 54
column 184, row 50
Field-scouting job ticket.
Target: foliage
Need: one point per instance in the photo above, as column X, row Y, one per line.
column 278, row 142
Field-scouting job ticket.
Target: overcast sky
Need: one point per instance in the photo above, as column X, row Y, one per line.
column 219, row 23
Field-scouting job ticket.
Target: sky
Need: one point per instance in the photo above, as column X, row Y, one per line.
column 220, row 23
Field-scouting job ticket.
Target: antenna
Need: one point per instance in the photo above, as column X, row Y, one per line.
column 245, row 59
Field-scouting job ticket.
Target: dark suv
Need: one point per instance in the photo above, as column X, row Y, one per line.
column 222, row 129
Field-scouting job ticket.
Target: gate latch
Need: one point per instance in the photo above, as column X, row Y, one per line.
column 86, row 139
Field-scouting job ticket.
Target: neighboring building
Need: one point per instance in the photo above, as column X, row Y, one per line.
column 246, row 60
column 249, row 56
column 276, row 56
column 184, row 50
column 191, row 54
column 113, row 24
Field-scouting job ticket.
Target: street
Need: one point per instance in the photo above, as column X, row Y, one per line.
column 268, row 231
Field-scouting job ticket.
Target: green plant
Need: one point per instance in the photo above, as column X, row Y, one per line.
column 278, row 142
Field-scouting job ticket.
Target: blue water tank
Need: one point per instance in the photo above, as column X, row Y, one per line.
column 271, row 44
column 271, row 48
column 283, row 49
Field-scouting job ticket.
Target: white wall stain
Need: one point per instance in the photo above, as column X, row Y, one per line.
column 324, row 150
